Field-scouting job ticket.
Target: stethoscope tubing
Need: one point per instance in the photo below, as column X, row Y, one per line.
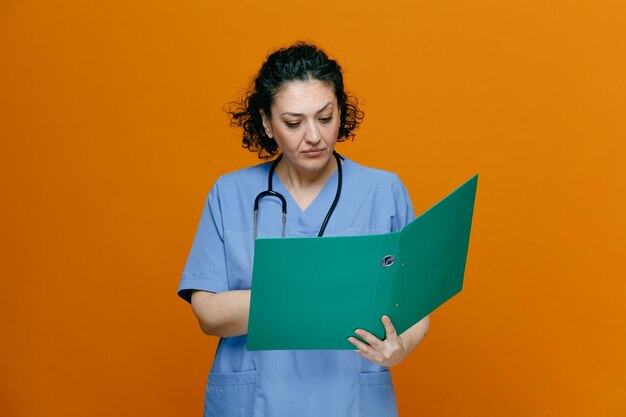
column 271, row 192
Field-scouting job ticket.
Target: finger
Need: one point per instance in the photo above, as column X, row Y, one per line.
column 362, row 347
column 370, row 356
column 390, row 330
column 368, row 337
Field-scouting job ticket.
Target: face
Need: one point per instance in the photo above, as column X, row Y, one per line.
column 305, row 124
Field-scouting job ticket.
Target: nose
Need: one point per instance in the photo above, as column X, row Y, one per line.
column 313, row 134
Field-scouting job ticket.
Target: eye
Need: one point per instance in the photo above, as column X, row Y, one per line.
column 292, row 125
column 326, row 119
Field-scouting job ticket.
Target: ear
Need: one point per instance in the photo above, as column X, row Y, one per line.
column 267, row 125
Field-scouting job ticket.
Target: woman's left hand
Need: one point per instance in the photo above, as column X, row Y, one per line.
column 388, row 352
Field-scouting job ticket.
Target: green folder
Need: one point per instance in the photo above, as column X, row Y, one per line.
column 297, row 303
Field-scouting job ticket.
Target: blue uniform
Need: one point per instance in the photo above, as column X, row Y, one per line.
column 289, row 383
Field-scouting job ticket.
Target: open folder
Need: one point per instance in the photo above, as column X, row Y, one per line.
column 299, row 304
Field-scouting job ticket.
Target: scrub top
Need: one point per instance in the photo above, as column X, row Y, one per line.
column 304, row 383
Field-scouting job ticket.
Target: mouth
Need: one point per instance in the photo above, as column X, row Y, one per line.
column 314, row 150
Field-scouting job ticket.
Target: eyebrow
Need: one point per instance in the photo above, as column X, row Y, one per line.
column 330, row 103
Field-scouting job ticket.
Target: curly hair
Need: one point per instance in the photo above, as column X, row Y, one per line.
column 299, row 62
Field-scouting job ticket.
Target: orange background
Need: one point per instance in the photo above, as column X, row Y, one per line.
column 113, row 131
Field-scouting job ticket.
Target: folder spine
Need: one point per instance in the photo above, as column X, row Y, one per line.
column 387, row 266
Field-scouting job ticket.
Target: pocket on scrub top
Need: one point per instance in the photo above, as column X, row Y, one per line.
column 376, row 395
column 231, row 394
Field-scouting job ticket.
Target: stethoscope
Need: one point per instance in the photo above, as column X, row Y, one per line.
column 271, row 192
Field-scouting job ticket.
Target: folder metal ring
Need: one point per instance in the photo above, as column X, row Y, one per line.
column 387, row 261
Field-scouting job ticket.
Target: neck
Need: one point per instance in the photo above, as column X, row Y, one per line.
column 298, row 180
column 304, row 186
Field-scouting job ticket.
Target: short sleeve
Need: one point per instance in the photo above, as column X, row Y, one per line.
column 404, row 213
column 206, row 265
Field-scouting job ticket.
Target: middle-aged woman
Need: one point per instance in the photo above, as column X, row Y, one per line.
column 296, row 111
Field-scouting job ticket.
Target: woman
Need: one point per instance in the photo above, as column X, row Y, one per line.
column 298, row 110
